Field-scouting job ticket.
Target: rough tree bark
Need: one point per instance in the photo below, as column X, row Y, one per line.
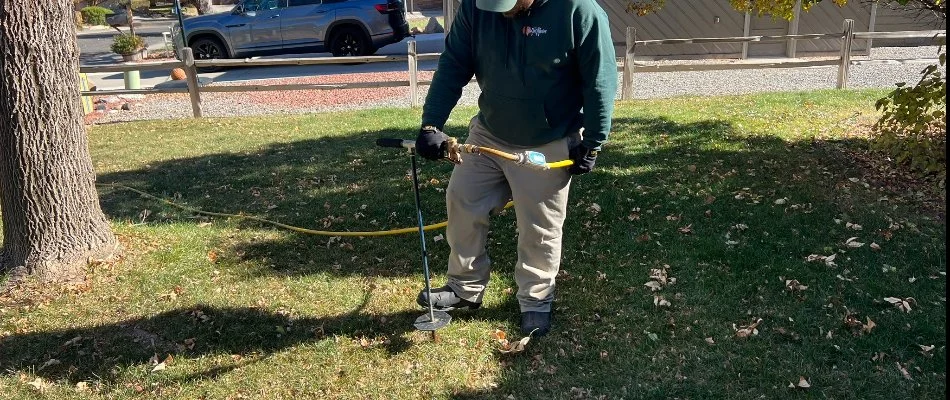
column 52, row 221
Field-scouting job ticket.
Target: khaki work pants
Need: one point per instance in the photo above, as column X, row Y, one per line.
column 483, row 184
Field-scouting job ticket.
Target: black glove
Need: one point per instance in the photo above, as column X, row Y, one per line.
column 431, row 143
column 584, row 159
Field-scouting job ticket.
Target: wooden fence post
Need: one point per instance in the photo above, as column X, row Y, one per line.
column 626, row 92
column 413, row 74
column 791, row 45
column 192, row 79
column 845, row 64
column 871, row 25
column 746, row 29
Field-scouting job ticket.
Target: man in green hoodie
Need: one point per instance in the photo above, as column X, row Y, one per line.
column 538, row 63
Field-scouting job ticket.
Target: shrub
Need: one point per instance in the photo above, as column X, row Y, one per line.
column 95, row 15
column 126, row 44
column 913, row 127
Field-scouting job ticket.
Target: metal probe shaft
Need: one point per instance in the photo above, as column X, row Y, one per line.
column 422, row 235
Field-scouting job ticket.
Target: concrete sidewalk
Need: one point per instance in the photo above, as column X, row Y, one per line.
column 428, row 43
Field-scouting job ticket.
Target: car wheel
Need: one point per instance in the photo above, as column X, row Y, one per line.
column 350, row 42
column 208, row 49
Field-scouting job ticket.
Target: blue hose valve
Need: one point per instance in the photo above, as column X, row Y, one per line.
column 534, row 159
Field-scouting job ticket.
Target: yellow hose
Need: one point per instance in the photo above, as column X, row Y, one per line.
column 468, row 148
column 298, row 229
column 443, row 224
column 560, row 164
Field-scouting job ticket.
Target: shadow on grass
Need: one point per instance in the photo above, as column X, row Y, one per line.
column 655, row 164
column 339, row 184
column 101, row 353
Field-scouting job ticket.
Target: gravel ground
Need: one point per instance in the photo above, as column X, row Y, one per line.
column 647, row 85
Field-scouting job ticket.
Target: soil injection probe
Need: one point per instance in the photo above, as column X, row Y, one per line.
column 433, row 320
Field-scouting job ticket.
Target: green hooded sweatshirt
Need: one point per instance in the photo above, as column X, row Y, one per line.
column 536, row 72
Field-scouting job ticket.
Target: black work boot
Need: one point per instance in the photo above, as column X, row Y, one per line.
column 537, row 322
column 444, row 299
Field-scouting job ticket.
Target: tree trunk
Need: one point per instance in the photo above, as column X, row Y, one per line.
column 52, row 222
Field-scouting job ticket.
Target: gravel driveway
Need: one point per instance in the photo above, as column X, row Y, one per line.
column 647, row 85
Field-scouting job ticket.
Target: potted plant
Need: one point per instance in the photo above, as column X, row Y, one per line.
column 130, row 47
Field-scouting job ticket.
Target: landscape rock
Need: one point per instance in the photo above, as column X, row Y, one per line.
column 433, row 26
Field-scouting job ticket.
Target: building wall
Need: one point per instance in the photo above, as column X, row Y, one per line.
column 826, row 17
column 678, row 19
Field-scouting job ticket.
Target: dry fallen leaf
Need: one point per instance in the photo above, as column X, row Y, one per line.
column 901, row 304
column 82, row 386
column 499, row 334
column 653, row 285
column 659, row 274
column 803, row 383
column 747, row 331
column 853, row 243
column 438, row 238
column 594, row 208
column 828, row 260
column 686, row 230
column 794, row 285
column 72, row 341
column 659, row 301
column 159, row 367
column 39, row 384
column 49, row 363
column 875, row 246
column 904, row 372
column 868, row 326
column 710, row 340
column 515, row 347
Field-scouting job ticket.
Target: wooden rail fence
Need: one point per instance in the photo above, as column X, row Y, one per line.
column 190, row 65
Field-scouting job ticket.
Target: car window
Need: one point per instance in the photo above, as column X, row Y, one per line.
column 295, row 3
column 256, row 5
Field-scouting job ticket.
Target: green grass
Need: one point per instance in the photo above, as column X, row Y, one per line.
column 247, row 311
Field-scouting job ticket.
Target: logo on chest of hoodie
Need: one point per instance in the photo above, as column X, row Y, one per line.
column 534, row 31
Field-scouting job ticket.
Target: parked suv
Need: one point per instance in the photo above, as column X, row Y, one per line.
column 259, row 27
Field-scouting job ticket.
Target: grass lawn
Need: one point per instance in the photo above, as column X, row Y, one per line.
column 726, row 196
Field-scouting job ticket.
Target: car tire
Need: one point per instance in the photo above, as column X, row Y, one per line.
column 350, row 41
column 207, row 48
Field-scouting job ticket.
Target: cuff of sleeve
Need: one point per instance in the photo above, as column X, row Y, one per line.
column 593, row 145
